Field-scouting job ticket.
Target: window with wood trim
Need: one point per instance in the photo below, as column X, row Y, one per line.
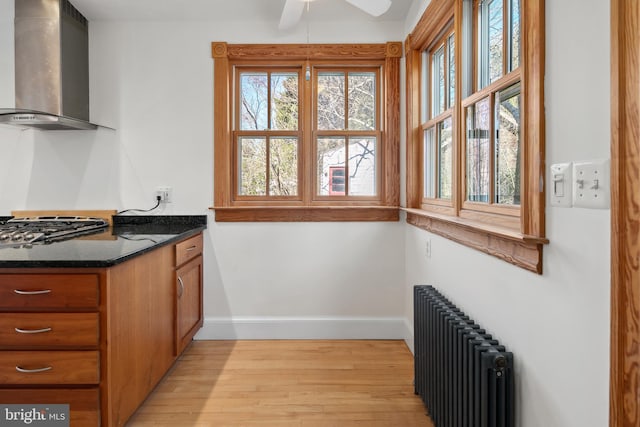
column 437, row 112
column 475, row 126
column 306, row 132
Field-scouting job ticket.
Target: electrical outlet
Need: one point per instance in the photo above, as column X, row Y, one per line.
column 165, row 194
column 427, row 248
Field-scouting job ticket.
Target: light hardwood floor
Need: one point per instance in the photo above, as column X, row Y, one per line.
column 287, row 383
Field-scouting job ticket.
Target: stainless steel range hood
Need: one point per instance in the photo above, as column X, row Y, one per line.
column 51, row 67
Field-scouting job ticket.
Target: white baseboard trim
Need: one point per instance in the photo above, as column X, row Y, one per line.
column 408, row 334
column 247, row 328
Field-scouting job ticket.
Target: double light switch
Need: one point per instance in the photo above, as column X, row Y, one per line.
column 581, row 184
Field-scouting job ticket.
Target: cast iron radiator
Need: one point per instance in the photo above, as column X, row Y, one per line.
column 463, row 375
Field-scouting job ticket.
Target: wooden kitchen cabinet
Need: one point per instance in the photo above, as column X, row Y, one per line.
column 84, row 404
column 188, row 307
column 109, row 335
column 50, row 340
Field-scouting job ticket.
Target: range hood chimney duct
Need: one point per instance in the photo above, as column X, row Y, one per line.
column 51, row 67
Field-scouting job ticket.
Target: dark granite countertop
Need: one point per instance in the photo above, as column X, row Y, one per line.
column 129, row 237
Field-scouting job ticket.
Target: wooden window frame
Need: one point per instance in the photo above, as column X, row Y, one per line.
column 516, row 237
column 438, row 203
column 347, row 134
column 308, row 207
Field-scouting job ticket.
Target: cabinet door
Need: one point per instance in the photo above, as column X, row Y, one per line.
column 188, row 302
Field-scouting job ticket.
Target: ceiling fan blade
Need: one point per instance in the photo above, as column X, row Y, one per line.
column 291, row 13
column 372, row 7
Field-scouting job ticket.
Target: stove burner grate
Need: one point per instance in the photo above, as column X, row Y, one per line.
column 45, row 229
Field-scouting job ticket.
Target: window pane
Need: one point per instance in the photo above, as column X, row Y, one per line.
column 508, row 148
column 253, row 166
column 437, row 86
column 430, row 163
column 284, row 101
column 478, row 151
column 331, row 153
column 424, row 87
column 495, row 39
column 362, row 166
column 452, row 70
column 283, row 172
column 253, row 101
column 362, row 101
column 515, row 34
column 331, row 114
column 445, row 146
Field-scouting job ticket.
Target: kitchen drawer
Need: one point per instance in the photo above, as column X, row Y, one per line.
column 52, row 330
column 188, row 249
column 48, row 291
column 49, row 367
column 84, row 404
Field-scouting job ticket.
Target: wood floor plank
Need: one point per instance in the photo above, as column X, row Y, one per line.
column 301, row 383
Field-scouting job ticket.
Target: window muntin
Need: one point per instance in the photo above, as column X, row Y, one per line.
column 281, row 156
column 438, row 168
column 347, row 101
column 492, row 114
column 268, row 97
column 268, row 105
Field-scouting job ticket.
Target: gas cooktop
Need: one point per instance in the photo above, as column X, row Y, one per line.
column 47, row 229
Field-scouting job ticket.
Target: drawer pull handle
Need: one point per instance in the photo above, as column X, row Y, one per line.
column 44, row 291
column 33, row 371
column 181, row 287
column 191, row 248
column 32, row 331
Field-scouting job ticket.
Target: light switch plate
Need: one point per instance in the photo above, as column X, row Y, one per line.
column 591, row 184
column 561, row 185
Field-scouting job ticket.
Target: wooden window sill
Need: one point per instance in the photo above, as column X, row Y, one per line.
column 509, row 245
column 306, row 213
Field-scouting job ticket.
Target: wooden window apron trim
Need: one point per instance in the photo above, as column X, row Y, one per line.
column 522, row 250
column 306, row 213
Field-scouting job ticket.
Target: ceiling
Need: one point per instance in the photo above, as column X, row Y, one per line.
column 228, row 10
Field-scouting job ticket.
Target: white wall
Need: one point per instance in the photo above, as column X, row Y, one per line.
column 556, row 324
column 153, row 83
